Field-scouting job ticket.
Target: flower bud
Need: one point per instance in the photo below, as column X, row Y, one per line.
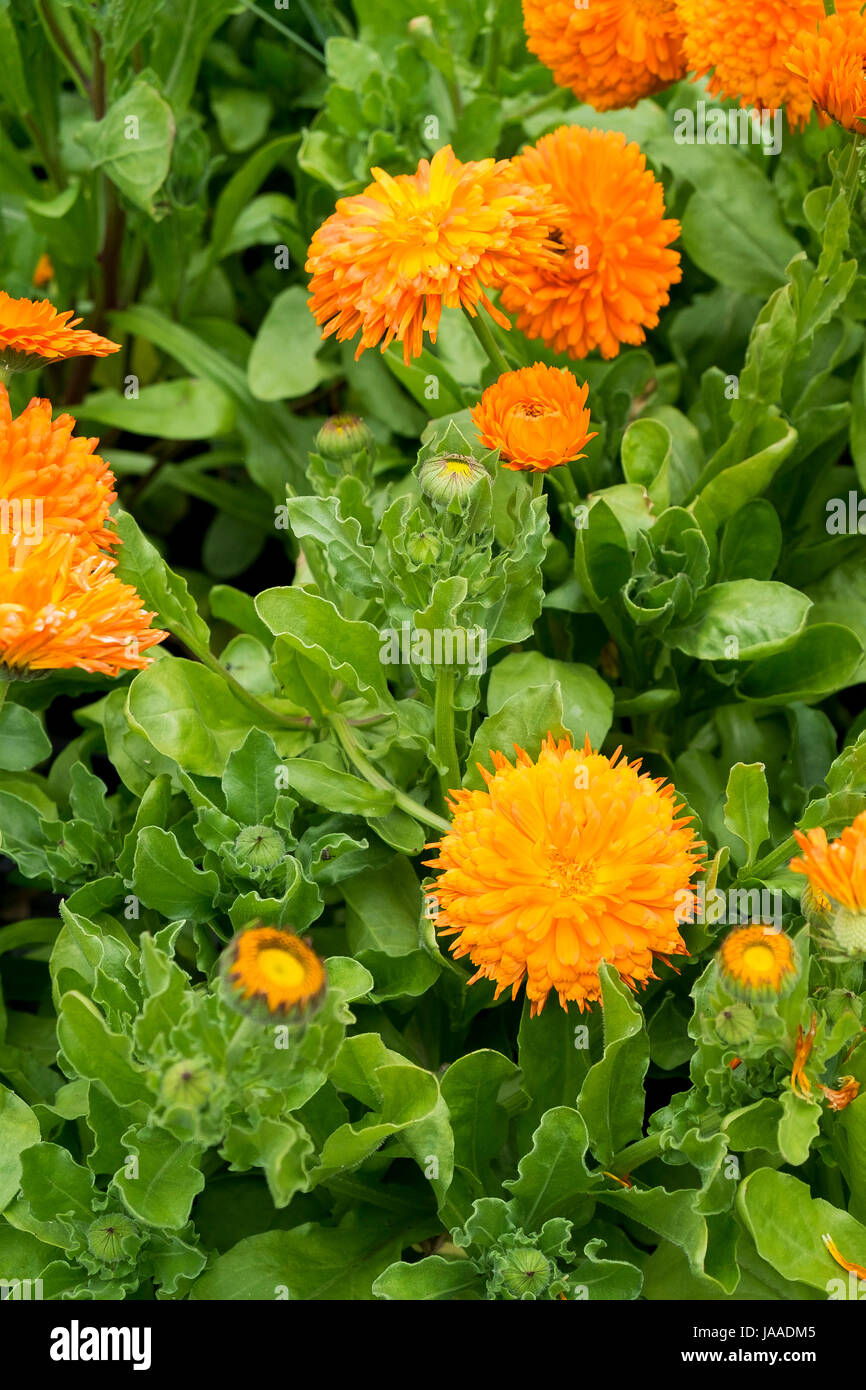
column 268, row 972
column 736, row 1024
column 522, row 1273
column 260, row 846
column 424, row 549
column 187, row 1084
column 342, row 436
column 448, row 476
column 848, row 926
column 105, row 1238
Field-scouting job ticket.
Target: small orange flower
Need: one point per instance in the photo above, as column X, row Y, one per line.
column 837, row 1255
column 745, row 47
column 615, row 267
column 388, row 260
column 561, row 864
column 33, row 332
column 62, row 607
column 611, row 52
column 800, row 1082
column 44, row 272
column 757, row 962
column 536, row 417
column 837, row 870
column 275, row 968
column 839, row 1099
column 49, row 474
column 831, row 61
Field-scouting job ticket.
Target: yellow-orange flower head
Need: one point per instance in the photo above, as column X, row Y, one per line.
column 388, row 260
column 836, row 869
column 831, row 62
column 63, row 607
column 561, row 864
column 49, row 479
column 33, row 332
column 757, row 962
column 745, row 48
column 275, row 969
column 536, row 417
column 611, row 53
column 616, row 265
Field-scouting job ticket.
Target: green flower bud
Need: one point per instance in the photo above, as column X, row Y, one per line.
column 447, row 477
column 523, row 1273
column 848, row 926
column 187, row 1084
column 260, row 846
column 736, row 1024
column 106, row 1236
column 424, row 549
column 342, row 436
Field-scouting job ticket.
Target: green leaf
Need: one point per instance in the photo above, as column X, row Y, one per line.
column 283, row 363
column 161, row 1188
column 433, row 1278
column 606, row 551
column 249, row 782
column 646, row 458
column 350, row 561
column 180, row 409
column 794, row 1245
column 141, row 565
column 525, row 720
column 167, row 881
column 587, row 700
column 189, row 714
column 336, row 791
column 347, row 651
column 19, row 1128
column 747, row 806
column 739, row 619
column 612, row 1097
column 133, row 143
column 752, row 542
column 482, row 1090
column 822, row 659
column 23, row 741
column 384, row 930
column 55, row 1185
column 281, row 1146
column 799, row 1125
column 553, row 1179
column 93, row 1051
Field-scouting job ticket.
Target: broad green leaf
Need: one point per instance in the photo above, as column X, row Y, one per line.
column 141, row 565
column 747, row 806
column 788, row 1225
column 132, row 144
column 165, row 879
column 612, row 1096
column 822, row 659
column 348, row 651
column 165, row 1181
column 432, row 1278
column 587, row 700
column 23, row 741
column 384, row 928
column 482, row 1091
column 740, row 619
column 553, row 1179
column 93, row 1051
column 250, row 779
column 524, row 720
column 189, row 714
column 646, row 458
column 283, row 363
column 19, row 1128
column 180, row 409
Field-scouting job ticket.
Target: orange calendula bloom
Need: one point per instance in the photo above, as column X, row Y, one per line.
column 616, row 265
column 745, row 47
column 805, row 1042
column 62, row 607
column 840, row 1259
column 33, row 332
column 837, row 869
column 839, row 1098
column 561, row 864
column 388, row 260
column 610, row 52
column 757, row 962
column 44, row 272
column 831, row 62
column 274, row 968
column 49, row 479
column 536, row 417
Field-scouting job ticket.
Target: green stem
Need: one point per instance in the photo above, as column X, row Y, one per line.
column 483, row 332
column 494, row 53
column 537, row 483
column 257, row 707
column 351, row 747
column 4, row 688
column 57, row 40
column 635, row 1154
column 286, row 32
column 443, row 721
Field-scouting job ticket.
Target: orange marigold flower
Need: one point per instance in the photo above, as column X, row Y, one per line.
column 831, row 62
column 536, row 417
column 805, row 1042
column 611, row 52
column 746, row 47
column 836, row 869
column 388, row 260
column 33, row 332
column 273, row 968
column 757, row 962
column 840, row 1259
column 44, row 272
column 561, row 864
column 615, row 267
column 842, row 1096
column 50, row 480
column 63, row 607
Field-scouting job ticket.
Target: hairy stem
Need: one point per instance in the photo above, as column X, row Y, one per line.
column 443, row 720
column 361, row 762
column 483, row 332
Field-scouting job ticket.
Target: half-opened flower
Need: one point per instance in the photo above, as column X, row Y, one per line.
column 536, row 417
column 560, row 864
column 836, row 874
column 33, row 332
column 757, row 963
column 274, row 969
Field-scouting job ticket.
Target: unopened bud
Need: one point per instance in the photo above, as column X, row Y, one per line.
column 342, row 436
column 260, row 846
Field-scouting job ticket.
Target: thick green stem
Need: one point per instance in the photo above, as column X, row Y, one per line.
column 4, row 687
column 632, row 1157
column 483, row 332
column 537, row 483
column 443, row 718
column 354, row 752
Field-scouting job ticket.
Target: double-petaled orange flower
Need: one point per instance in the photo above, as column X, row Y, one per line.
column 616, row 265
column 561, row 864
column 49, row 474
column 388, row 260
column 830, row 60
column 62, row 607
column 33, row 332
column 745, row 49
column 609, row 52
column 536, row 417
column 837, row 869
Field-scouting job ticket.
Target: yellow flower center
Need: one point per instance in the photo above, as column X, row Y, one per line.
column 281, row 968
column 459, row 467
column 759, row 960
column 569, row 878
